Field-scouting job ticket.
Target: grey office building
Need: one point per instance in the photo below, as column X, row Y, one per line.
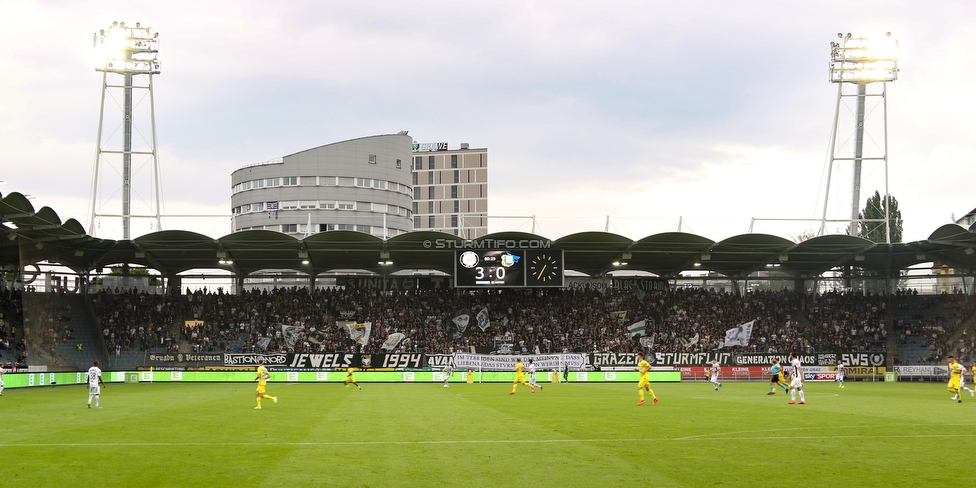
column 361, row 184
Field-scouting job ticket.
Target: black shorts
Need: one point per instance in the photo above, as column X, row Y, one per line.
column 774, row 379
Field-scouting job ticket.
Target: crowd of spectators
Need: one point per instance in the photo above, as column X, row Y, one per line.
column 688, row 320
column 47, row 326
column 12, row 318
column 11, row 315
column 682, row 320
column 129, row 320
column 933, row 319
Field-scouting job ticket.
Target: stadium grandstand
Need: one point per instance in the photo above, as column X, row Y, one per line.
column 676, row 295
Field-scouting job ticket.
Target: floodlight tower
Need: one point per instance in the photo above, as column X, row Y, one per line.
column 862, row 63
column 126, row 51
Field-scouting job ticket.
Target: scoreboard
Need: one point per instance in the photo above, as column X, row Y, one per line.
column 512, row 268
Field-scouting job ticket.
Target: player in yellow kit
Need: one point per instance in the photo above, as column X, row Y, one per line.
column 262, row 379
column 645, row 380
column 350, row 379
column 956, row 371
column 519, row 376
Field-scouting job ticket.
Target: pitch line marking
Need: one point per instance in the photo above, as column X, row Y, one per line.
column 477, row 441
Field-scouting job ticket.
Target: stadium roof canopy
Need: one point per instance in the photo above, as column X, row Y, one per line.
column 29, row 236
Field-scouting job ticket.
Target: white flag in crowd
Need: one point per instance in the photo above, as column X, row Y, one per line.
column 483, row 321
column 461, row 320
column 392, row 341
column 291, row 333
column 739, row 336
column 263, row 343
column 359, row 332
column 637, row 328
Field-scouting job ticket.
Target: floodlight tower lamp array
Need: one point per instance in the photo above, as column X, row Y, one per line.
column 860, row 61
column 127, row 51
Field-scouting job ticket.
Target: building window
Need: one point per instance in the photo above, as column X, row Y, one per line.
column 245, row 208
column 430, row 162
column 454, row 221
column 289, row 205
column 289, row 228
column 257, row 207
column 457, row 205
column 363, row 182
column 345, row 227
column 416, row 193
column 418, row 162
column 430, row 193
column 415, row 207
column 415, row 178
column 272, row 182
column 454, row 160
column 457, row 176
column 346, row 205
column 430, row 221
column 399, row 164
column 372, row 159
column 247, row 185
column 416, row 222
column 364, row 228
column 289, row 181
column 327, row 204
column 380, row 207
column 303, row 228
column 258, row 184
column 430, row 207
column 307, row 204
column 379, row 184
column 454, row 191
column 325, row 227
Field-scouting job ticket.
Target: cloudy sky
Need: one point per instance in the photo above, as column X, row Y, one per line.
column 655, row 114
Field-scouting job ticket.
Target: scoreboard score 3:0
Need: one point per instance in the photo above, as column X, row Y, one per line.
column 496, row 268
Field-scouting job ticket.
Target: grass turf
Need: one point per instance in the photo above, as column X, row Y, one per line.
column 192, row 434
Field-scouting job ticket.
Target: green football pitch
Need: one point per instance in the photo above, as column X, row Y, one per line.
column 193, row 434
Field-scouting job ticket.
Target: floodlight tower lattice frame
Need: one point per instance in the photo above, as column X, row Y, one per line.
column 126, row 51
column 853, row 61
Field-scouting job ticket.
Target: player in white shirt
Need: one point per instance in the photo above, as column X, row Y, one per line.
column 1, row 379
column 94, row 384
column 796, row 380
column 841, row 374
column 448, row 371
column 715, row 371
column 962, row 380
column 531, row 370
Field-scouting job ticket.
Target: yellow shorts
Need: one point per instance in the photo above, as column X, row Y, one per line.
column 644, row 381
column 520, row 378
column 954, row 383
column 349, row 379
column 261, row 388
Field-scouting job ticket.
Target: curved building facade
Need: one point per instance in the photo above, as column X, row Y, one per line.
column 361, row 184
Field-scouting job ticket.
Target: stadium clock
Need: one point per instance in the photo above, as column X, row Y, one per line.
column 544, row 267
column 483, row 268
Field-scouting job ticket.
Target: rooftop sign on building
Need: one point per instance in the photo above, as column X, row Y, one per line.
column 429, row 146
